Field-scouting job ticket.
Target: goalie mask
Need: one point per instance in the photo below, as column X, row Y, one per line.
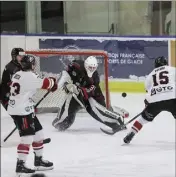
column 90, row 65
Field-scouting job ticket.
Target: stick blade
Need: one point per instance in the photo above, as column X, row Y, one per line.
column 47, row 140
column 112, row 132
column 108, row 132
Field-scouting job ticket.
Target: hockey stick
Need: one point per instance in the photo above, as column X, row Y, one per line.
column 80, row 103
column 7, row 137
column 120, row 127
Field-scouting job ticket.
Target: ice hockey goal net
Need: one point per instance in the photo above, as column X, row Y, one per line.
column 53, row 62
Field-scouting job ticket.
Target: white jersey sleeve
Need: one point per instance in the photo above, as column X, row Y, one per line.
column 161, row 84
column 148, row 83
column 24, row 85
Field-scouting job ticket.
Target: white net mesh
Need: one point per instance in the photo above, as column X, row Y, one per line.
column 53, row 62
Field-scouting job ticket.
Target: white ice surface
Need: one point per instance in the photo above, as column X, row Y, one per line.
column 84, row 151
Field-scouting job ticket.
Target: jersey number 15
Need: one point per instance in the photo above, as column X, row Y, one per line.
column 163, row 78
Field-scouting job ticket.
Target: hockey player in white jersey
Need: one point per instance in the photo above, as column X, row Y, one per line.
column 21, row 108
column 161, row 95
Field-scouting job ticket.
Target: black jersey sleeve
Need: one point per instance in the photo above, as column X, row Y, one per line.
column 10, row 69
column 76, row 71
column 6, row 79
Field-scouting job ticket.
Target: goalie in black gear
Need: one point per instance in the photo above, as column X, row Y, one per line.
column 81, row 79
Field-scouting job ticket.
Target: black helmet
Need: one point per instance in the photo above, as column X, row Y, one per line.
column 160, row 61
column 27, row 62
column 15, row 52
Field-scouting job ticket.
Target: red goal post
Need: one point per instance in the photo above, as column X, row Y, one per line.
column 47, row 53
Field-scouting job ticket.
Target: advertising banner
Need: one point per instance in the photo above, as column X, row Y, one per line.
column 128, row 59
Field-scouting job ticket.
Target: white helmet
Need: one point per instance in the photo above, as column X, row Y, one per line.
column 90, row 65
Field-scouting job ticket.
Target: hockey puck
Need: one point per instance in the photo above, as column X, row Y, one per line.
column 124, row 94
column 47, row 140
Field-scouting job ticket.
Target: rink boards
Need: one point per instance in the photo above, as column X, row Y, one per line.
column 130, row 58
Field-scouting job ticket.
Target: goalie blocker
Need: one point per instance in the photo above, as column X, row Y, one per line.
column 82, row 79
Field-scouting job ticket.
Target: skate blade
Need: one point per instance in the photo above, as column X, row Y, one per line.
column 125, row 144
column 41, row 168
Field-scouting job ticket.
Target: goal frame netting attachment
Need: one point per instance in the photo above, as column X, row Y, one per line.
column 81, row 52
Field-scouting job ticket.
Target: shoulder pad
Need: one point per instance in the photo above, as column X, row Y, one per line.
column 74, row 64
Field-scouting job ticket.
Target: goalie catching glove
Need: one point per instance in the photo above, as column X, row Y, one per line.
column 71, row 88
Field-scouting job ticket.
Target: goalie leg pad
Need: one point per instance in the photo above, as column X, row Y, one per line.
column 63, row 112
column 66, row 119
column 67, row 123
column 121, row 111
column 102, row 113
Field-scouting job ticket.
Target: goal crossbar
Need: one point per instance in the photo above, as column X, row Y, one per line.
column 51, row 52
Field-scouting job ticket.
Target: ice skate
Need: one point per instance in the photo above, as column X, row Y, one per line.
column 129, row 137
column 42, row 165
column 21, row 169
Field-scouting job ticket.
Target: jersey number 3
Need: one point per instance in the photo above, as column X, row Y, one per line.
column 16, row 90
column 163, row 78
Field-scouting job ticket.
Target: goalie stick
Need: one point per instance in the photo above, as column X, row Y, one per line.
column 120, row 127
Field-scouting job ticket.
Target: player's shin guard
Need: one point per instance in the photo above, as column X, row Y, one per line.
column 38, row 143
column 137, row 126
column 23, row 151
column 23, row 147
column 38, row 148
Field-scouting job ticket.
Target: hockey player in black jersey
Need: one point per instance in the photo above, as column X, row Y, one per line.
column 81, row 79
column 10, row 69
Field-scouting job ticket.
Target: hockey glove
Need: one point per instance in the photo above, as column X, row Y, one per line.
column 71, row 88
column 54, row 88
